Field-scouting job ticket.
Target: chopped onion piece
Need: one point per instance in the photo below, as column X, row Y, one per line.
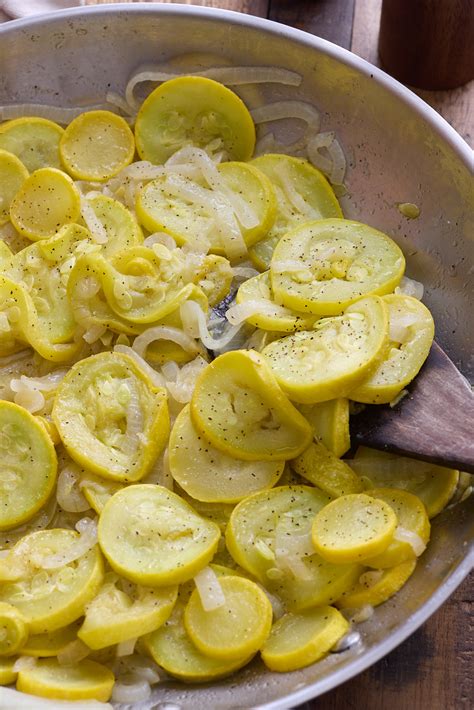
column 231, row 76
column 154, row 376
column 53, row 113
column 126, row 648
column 130, row 690
column 68, row 493
column 277, row 605
column 194, row 323
column 163, row 332
column 94, row 333
column 170, row 371
column 410, row 537
column 160, row 238
column 241, row 311
column 182, row 389
column 210, row 591
column 23, row 663
column 47, row 383
column 30, row 399
column 93, row 223
column 288, row 109
column 73, row 653
column 410, row 287
column 399, row 324
column 87, row 540
column 294, row 197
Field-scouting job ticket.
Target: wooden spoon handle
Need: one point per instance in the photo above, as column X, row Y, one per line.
column 434, row 422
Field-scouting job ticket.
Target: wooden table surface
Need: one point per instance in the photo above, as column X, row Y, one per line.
column 434, row 668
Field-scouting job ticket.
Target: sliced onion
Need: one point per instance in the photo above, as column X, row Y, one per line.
column 93, row 223
column 290, row 548
column 410, row 287
column 209, row 590
column 79, row 548
column 241, row 311
column 160, row 238
column 163, row 332
column 170, row 371
column 32, row 400
column 226, row 224
column 194, row 323
column 294, row 197
column 47, row 383
column 126, row 648
column 134, row 420
column 94, row 333
column 53, row 113
column 137, row 667
column 181, row 390
column 73, row 653
column 130, row 690
column 288, row 109
column 118, row 101
column 68, row 493
column 334, row 166
column 23, row 663
column 231, row 76
column 153, row 375
column 242, row 210
column 277, row 605
column 399, row 324
column 411, row 538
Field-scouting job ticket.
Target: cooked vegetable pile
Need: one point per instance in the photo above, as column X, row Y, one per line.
column 183, row 336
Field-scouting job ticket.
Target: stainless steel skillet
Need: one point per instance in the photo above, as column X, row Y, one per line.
column 399, row 150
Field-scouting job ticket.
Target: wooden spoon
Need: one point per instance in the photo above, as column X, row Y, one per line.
column 434, row 422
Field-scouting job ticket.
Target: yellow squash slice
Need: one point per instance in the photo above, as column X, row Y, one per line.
column 210, row 475
column 54, row 596
column 353, row 528
column 303, row 194
column 324, row 266
column 329, row 361
column 12, row 176
column 121, row 227
column 297, row 640
column 81, row 681
column 234, row 630
column 269, row 535
column 323, row 469
column 13, row 630
column 413, row 531
column 47, row 200
column 374, row 587
column 115, row 616
column 152, row 537
column 28, row 465
column 50, row 644
column 35, row 141
column 434, row 485
column 7, row 674
column 256, row 294
column 189, row 209
column 411, row 333
column 101, row 407
column 330, row 422
column 197, row 111
column 96, row 146
column 238, row 406
column 172, row 649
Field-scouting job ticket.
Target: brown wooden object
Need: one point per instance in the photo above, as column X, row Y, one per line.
column 434, row 422
column 428, row 43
